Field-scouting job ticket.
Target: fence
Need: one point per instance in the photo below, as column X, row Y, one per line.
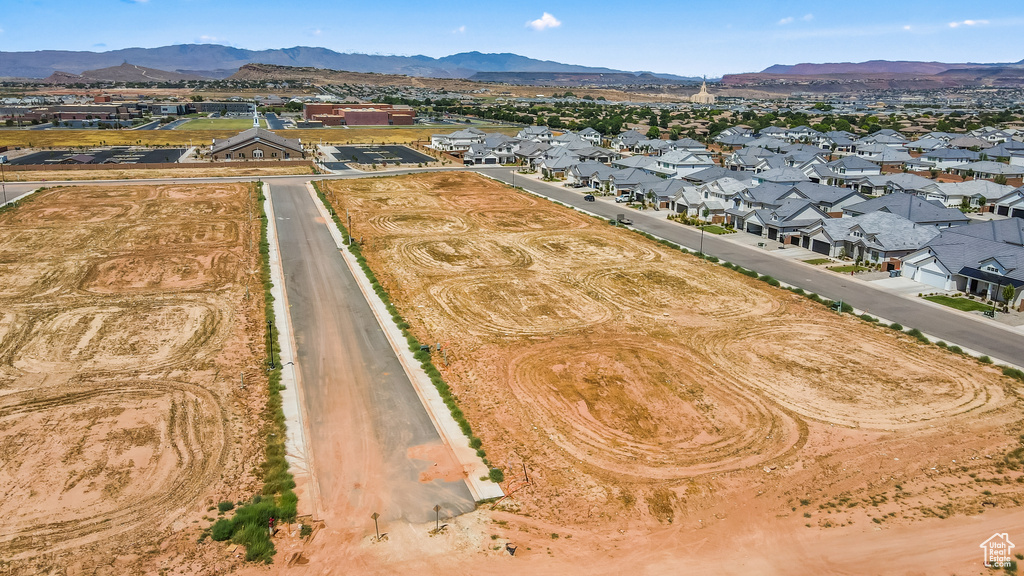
column 158, row 166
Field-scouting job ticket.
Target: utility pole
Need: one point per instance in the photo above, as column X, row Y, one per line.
column 270, row 342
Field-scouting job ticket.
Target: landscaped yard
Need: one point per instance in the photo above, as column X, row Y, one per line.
column 817, row 261
column 220, row 124
column 964, row 304
column 716, row 229
column 847, row 269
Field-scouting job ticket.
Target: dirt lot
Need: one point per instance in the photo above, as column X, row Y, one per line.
column 668, row 411
column 124, row 330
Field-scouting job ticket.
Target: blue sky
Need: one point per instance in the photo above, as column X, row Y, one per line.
column 681, row 37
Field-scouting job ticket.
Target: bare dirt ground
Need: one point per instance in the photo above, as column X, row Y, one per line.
column 140, row 174
column 670, row 413
column 124, row 330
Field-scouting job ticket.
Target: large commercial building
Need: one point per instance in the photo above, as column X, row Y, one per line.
column 360, row 114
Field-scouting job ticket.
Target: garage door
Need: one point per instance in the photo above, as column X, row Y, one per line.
column 490, row 160
column 1018, row 213
column 773, row 233
column 754, row 229
column 1003, row 210
column 931, row 278
column 820, row 247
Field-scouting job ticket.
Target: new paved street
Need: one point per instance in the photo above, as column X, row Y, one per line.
column 361, row 411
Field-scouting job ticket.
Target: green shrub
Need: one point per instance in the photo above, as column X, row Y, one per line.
column 941, row 344
column 868, row 318
column 985, row 360
column 225, row 506
column 917, row 334
column 896, row 326
column 768, row 280
column 956, row 349
column 1013, row 373
column 496, row 475
column 222, row 530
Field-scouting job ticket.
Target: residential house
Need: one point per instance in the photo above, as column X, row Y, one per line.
column 783, row 223
column 944, row 158
column 593, row 136
column 1011, row 204
column 458, row 141
column 913, row 208
column 875, row 237
column 955, row 261
column 784, row 175
column 975, row 192
column 682, row 162
column 989, row 169
column 627, row 140
column 590, row 174
column 538, row 134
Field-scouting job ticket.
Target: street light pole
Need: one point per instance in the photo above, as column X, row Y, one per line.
column 702, row 241
column 3, row 180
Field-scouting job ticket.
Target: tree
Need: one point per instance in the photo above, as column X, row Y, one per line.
column 654, row 133
column 1008, row 293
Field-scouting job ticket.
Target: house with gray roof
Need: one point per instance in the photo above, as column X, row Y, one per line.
column 682, row 162
column 590, row 174
column 590, row 135
column 1008, row 231
column 1011, row 204
column 784, row 222
column 988, row 169
column 943, row 158
column 627, row 140
column 829, row 199
column 913, row 208
column 539, row 134
column 975, row 192
column 714, row 173
column 629, row 180
column 458, row 141
column 875, row 237
column 784, row 175
column 954, row 261
column 898, row 182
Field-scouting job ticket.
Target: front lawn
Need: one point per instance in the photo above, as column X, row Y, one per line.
column 816, row 261
column 847, row 269
column 964, row 304
column 716, row 229
column 239, row 124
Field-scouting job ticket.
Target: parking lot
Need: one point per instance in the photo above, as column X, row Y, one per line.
column 112, row 154
column 379, row 155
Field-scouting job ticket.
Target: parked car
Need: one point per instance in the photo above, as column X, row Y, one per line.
column 589, row 198
column 621, row 199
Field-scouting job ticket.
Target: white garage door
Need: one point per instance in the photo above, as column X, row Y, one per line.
column 931, row 278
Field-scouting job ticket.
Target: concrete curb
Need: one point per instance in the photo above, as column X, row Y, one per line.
column 299, row 458
column 440, row 416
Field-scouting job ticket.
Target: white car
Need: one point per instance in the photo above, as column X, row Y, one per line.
column 621, row 199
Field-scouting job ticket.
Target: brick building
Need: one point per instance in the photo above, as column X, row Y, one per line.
column 360, row 114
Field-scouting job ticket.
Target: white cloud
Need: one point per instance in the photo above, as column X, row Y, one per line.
column 786, row 20
column 544, row 22
column 206, row 38
column 317, row 32
column 968, row 23
column 907, row 27
column 791, row 19
column 808, row 17
column 459, row 30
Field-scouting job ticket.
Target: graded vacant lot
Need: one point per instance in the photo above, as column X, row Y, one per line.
column 124, row 331
column 639, row 388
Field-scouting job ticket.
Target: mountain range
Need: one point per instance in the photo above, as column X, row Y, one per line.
column 216, row 61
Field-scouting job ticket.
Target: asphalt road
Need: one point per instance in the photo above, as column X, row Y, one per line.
column 362, row 413
column 950, row 326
